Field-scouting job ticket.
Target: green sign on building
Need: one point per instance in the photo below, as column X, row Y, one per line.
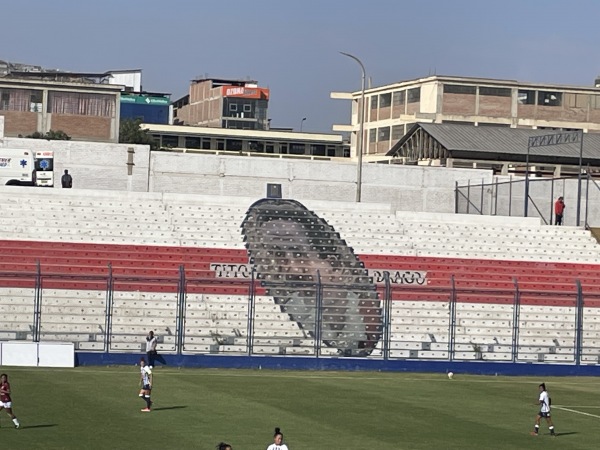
column 144, row 99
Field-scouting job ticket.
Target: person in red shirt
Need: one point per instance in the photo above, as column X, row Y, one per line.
column 5, row 400
column 559, row 209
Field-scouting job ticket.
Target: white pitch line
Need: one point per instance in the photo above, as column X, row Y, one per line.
column 301, row 374
column 577, row 412
column 578, row 406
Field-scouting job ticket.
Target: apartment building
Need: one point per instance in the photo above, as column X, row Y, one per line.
column 83, row 105
column 223, row 103
column 392, row 110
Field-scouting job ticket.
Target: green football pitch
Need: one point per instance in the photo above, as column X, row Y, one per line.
column 98, row 408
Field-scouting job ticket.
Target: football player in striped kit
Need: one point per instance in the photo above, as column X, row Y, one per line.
column 146, row 383
column 5, row 399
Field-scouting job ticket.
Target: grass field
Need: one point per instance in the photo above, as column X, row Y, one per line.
column 98, row 408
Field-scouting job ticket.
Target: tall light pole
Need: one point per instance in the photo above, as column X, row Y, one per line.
column 526, row 206
column 579, row 179
column 301, row 123
column 361, row 119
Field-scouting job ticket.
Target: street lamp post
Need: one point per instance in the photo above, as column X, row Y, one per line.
column 361, row 118
column 302, row 123
column 526, row 206
column 579, row 178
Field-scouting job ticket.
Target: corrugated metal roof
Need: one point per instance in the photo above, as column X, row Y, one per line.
column 462, row 138
column 243, row 134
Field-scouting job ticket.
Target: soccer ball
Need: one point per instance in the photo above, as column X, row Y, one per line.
column 450, row 375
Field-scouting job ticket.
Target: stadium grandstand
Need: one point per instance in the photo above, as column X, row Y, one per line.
column 189, row 246
column 252, row 278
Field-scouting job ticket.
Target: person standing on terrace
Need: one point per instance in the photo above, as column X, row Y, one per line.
column 559, row 209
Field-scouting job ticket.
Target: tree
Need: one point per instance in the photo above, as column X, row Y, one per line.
column 52, row 135
column 130, row 132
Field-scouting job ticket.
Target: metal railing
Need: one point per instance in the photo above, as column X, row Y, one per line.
column 236, row 316
column 505, row 196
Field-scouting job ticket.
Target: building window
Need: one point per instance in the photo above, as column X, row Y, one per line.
column 297, row 148
column 577, row 100
column 232, row 107
column 317, row 149
column 549, row 98
column 385, row 100
column 485, row 124
column 170, row 141
column 397, row 132
column 459, row 89
column 384, row 134
column 4, row 101
column 413, row 95
column 233, row 145
column 205, row 143
column 459, row 122
column 247, row 108
column 374, row 102
column 257, row 146
column 192, row 142
column 36, row 101
column 373, row 135
column 81, row 104
column 595, row 101
column 398, row 98
column 495, row 92
column 526, row 97
column 20, row 100
column 408, row 126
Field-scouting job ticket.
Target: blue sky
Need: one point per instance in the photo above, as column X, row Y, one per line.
column 292, row 47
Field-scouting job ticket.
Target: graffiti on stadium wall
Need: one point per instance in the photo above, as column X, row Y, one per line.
column 413, row 277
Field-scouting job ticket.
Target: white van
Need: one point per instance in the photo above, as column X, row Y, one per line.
column 44, row 168
column 16, row 167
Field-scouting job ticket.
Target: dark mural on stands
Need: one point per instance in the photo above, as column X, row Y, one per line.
column 289, row 246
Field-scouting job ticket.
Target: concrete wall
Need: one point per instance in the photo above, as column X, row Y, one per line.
column 105, row 166
column 408, row 188
column 94, row 165
column 404, row 188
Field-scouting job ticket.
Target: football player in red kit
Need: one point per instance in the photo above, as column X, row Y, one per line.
column 5, row 400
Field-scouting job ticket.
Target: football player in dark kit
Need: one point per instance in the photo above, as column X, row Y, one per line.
column 6, row 400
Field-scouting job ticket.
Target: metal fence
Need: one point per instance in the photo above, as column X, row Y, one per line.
column 400, row 319
column 505, row 196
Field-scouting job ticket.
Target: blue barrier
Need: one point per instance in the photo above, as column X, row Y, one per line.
column 345, row 364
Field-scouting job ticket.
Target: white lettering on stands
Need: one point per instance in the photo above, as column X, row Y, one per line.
column 396, row 277
column 399, row 276
column 231, row 270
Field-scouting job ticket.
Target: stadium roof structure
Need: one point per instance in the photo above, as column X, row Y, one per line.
column 491, row 143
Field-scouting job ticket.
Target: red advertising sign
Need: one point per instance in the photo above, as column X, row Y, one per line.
column 245, row 92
